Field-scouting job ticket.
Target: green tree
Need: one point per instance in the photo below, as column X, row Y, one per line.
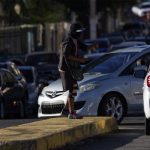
column 11, row 14
column 34, row 11
column 45, row 11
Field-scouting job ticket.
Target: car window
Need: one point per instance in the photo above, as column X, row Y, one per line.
column 143, row 60
column 116, row 39
column 108, row 63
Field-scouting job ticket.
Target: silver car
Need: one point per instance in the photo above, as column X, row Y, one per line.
column 109, row 88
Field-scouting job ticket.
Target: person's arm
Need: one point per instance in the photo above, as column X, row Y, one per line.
column 78, row 59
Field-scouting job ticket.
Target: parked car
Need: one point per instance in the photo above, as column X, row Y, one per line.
column 30, row 74
column 12, row 96
column 146, row 102
column 17, row 59
column 45, row 63
column 127, row 44
column 17, row 74
column 145, row 39
column 134, row 29
column 114, row 38
column 11, row 66
column 103, row 44
column 109, row 88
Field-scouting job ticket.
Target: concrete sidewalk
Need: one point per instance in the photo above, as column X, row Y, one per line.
column 53, row 133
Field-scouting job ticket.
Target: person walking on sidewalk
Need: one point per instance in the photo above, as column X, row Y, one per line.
column 68, row 53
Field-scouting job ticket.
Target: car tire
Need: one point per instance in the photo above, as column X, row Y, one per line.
column 2, row 111
column 147, row 126
column 112, row 105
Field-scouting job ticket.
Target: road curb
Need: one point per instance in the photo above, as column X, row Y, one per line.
column 54, row 133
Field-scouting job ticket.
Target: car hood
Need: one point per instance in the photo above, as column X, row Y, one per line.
column 57, row 85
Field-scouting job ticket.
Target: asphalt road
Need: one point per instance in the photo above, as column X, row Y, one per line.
column 130, row 136
column 4, row 123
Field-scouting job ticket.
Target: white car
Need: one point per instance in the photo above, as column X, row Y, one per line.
column 142, row 9
column 110, row 87
column 146, row 101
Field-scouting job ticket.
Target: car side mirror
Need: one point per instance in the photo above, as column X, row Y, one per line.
column 140, row 71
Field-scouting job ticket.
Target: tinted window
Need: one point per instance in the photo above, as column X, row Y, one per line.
column 143, row 60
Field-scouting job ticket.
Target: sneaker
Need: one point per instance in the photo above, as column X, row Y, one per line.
column 74, row 116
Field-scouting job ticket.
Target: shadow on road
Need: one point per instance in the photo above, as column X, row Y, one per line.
column 129, row 134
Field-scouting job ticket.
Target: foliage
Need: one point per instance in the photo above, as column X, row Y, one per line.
column 45, row 11
column 35, row 11
column 40, row 11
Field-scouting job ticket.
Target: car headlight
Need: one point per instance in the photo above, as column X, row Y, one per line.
column 88, row 87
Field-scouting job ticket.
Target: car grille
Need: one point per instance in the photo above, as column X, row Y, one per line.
column 53, row 94
column 52, row 109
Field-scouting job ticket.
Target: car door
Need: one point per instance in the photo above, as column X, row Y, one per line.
column 136, row 85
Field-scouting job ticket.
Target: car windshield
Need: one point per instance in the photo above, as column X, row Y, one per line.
column 108, row 63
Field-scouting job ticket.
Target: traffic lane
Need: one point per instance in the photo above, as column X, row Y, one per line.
column 4, row 123
column 130, row 136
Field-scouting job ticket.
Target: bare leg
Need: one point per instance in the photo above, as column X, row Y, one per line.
column 71, row 105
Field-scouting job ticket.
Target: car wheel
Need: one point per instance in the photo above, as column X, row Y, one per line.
column 147, row 126
column 112, row 105
column 2, row 112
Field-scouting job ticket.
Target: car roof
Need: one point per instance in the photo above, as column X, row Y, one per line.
column 132, row 49
column 40, row 53
column 129, row 44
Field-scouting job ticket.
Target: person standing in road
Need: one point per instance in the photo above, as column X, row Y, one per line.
column 70, row 52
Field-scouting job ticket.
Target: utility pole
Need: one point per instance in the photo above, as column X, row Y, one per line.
column 93, row 19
